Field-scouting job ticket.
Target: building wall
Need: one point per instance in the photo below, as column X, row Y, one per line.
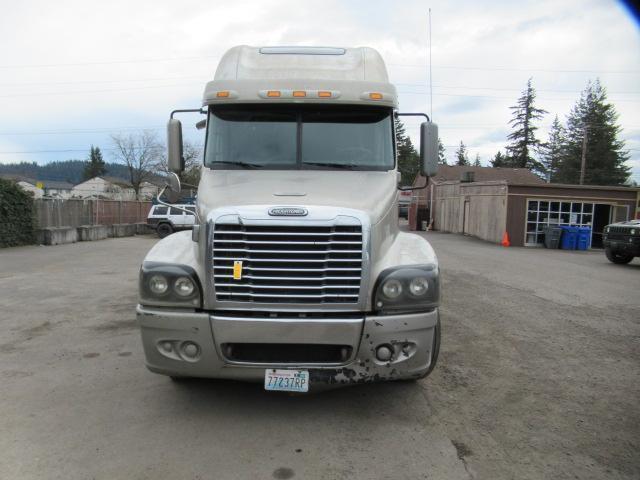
column 518, row 196
column 478, row 209
column 98, row 187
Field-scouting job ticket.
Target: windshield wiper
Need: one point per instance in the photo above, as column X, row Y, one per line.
column 346, row 166
column 239, row 164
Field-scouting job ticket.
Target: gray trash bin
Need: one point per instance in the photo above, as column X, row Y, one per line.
column 552, row 236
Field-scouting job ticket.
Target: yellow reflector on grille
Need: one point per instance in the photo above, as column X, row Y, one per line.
column 223, row 94
column 273, row 93
column 237, row 270
column 299, row 93
column 323, row 94
column 375, row 96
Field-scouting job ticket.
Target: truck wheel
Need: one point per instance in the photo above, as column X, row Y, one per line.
column 619, row 258
column 164, row 229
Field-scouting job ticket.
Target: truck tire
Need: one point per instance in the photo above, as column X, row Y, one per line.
column 164, row 229
column 619, row 258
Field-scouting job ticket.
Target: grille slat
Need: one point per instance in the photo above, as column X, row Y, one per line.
column 288, row 264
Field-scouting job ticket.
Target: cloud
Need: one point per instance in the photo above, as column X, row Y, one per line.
column 105, row 66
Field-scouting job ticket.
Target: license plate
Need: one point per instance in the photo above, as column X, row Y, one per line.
column 286, row 380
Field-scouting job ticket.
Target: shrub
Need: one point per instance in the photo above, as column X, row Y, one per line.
column 16, row 215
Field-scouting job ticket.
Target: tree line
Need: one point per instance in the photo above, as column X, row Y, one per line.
column 586, row 149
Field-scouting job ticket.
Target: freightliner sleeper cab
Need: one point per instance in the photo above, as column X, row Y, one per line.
column 296, row 273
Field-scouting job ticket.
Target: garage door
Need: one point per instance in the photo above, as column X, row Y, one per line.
column 541, row 213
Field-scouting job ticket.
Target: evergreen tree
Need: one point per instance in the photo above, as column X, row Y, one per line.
column 499, row 160
column 96, row 166
column 605, row 154
column 523, row 138
column 408, row 157
column 442, row 159
column 461, row 155
column 553, row 149
column 476, row 162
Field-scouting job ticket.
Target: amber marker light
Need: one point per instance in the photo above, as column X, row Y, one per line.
column 299, row 93
column 273, row 93
column 323, row 94
column 375, row 96
column 223, row 94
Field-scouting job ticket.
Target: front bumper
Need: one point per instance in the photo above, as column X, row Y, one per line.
column 627, row 245
column 410, row 336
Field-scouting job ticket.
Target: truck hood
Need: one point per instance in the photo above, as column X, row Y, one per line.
column 370, row 192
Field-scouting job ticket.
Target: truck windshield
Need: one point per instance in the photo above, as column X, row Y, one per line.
column 300, row 137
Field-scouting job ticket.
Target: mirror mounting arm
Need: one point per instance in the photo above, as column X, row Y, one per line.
column 171, row 205
column 410, row 189
column 400, row 114
column 188, row 110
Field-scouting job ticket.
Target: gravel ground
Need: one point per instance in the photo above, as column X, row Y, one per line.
column 538, row 378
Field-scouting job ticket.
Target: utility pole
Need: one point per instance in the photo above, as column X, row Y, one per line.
column 583, row 163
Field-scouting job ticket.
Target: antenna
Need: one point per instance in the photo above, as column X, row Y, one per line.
column 430, row 80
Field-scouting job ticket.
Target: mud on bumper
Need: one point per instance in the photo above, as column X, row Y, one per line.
column 179, row 343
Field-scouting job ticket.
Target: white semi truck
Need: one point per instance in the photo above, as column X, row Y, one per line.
column 296, row 273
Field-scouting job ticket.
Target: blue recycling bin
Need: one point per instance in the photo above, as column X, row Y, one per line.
column 584, row 238
column 569, row 240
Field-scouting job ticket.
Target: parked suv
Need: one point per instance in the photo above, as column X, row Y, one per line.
column 622, row 241
column 166, row 220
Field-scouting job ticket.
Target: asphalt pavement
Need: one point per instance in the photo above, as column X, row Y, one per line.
column 539, row 377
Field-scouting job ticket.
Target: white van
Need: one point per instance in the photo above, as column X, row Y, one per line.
column 166, row 220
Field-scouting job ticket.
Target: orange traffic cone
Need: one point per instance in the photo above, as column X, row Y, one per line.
column 505, row 240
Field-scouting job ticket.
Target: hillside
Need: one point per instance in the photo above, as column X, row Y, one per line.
column 65, row 171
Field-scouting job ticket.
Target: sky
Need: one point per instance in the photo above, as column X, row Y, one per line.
column 75, row 72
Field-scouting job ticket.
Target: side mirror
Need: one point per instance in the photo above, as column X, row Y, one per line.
column 429, row 149
column 175, row 159
column 174, row 189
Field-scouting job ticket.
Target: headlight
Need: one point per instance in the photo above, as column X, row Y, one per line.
column 633, row 231
column 158, row 284
column 407, row 288
column 184, row 287
column 169, row 285
column 606, row 230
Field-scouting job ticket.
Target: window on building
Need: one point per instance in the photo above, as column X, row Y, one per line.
column 543, row 213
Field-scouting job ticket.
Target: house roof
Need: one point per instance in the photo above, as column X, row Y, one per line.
column 121, row 182
column 47, row 183
column 519, row 176
column 57, row 184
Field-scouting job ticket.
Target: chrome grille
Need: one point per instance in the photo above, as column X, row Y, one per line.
column 288, row 264
column 622, row 230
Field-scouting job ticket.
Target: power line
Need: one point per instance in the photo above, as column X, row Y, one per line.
column 520, row 69
column 80, row 82
column 408, row 65
column 107, row 62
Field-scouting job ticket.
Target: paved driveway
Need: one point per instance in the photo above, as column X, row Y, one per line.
column 538, row 378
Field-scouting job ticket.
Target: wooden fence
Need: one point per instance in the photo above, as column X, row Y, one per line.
column 78, row 212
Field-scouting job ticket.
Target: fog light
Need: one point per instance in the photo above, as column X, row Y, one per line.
column 384, row 353
column 166, row 346
column 190, row 350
